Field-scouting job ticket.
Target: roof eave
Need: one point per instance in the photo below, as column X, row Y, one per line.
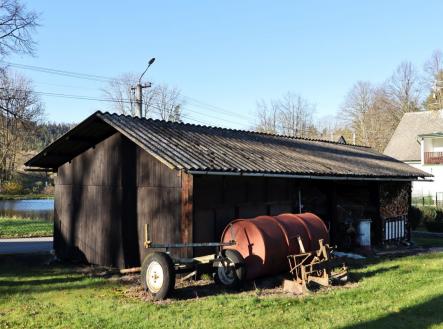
column 309, row 176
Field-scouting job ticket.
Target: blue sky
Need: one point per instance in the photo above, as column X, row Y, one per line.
column 229, row 53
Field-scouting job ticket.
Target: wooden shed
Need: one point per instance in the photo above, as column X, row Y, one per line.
column 117, row 173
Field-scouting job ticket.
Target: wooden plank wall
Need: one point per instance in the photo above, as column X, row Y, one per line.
column 159, row 191
column 88, row 207
column 106, row 195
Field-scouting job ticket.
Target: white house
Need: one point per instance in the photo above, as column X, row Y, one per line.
column 418, row 141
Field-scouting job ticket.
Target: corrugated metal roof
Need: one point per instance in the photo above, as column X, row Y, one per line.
column 201, row 148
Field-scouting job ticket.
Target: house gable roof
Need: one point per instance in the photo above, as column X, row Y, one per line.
column 403, row 144
column 200, row 148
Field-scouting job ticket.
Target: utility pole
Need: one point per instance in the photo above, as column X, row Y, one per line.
column 139, row 97
column 139, row 90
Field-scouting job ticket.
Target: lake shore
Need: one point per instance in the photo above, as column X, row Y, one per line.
column 5, row 197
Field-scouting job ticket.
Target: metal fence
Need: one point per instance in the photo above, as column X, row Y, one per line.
column 395, row 229
column 428, row 200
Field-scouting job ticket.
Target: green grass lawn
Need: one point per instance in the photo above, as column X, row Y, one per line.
column 401, row 293
column 31, row 196
column 24, row 228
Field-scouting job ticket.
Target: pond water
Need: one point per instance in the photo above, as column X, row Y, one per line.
column 41, row 209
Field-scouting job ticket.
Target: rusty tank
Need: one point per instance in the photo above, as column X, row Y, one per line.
column 266, row 241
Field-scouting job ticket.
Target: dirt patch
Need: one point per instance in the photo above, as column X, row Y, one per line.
column 204, row 288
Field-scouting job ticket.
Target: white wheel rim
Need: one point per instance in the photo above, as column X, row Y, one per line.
column 154, row 277
column 226, row 273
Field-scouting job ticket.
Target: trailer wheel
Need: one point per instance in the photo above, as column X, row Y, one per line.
column 158, row 275
column 233, row 272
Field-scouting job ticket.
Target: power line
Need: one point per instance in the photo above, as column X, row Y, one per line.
column 101, row 78
column 70, row 74
column 212, row 116
column 158, row 110
column 214, row 108
column 63, row 85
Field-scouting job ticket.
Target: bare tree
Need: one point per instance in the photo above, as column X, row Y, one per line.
column 329, row 128
column 290, row 115
column 267, row 117
column 371, row 114
column 433, row 81
column 21, row 109
column 403, row 91
column 296, row 115
column 17, row 24
column 167, row 102
column 159, row 101
column 119, row 92
column 355, row 109
column 432, row 67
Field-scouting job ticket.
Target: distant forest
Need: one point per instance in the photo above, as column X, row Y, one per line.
column 45, row 134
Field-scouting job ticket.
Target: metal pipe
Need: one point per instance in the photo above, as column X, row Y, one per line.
column 191, row 245
column 229, row 173
column 40, row 170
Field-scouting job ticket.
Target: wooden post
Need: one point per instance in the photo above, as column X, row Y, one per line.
column 186, row 221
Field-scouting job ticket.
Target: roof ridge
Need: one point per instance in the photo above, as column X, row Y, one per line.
column 230, row 129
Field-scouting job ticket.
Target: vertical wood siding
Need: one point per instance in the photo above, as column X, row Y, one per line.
column 88, row 205
column 106, row 195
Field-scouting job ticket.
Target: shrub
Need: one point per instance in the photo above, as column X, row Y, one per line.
column 429, row 214
column 38, row 187
column 12, row 187
column 49, row 190
column 434, row 219
column 415, row 217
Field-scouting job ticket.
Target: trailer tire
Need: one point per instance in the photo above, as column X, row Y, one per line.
column 158, row 275
column 233, row 275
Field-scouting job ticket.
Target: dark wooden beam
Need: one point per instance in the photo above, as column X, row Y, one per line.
column 82, row 140
column 58, row 157
column 186, row 220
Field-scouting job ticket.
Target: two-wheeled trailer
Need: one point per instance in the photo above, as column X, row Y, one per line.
column 159, row 268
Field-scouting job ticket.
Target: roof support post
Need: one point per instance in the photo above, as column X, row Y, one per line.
column 186, row 218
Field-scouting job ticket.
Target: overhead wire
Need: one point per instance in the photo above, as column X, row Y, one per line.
column 158, row 110
column 99, row 78
column 102, row 78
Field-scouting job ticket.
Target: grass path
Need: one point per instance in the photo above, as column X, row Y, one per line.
column 401, row 293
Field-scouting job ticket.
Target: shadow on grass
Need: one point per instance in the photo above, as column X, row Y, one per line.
column 33, row 274
column 38, row 282
column 358, row 276
column 17, row 289
column 423, row 315
column 29, row 265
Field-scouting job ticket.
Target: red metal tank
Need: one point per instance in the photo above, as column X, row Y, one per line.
column 261, row 243
column 308, row 226
column 266, row 241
